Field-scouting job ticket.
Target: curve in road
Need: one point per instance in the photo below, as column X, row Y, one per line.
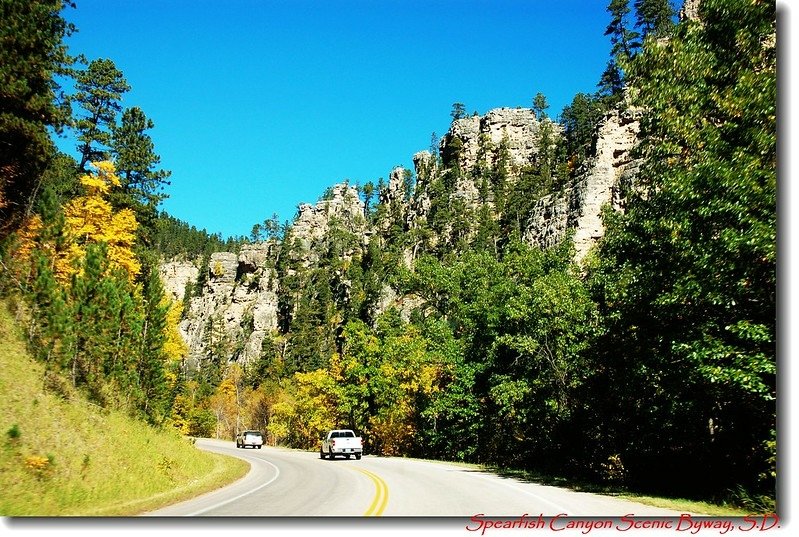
column 286, row 482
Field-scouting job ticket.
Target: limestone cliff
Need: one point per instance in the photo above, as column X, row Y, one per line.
column 601, row 183
column 236, row 306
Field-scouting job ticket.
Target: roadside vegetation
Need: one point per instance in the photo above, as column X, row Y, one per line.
column 682, row 505
column 650, row 368
column 61, row 455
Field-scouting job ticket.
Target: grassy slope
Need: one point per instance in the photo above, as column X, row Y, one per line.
column 70, row 458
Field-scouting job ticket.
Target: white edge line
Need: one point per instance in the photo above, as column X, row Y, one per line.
column 488, row 477
column 231, row 500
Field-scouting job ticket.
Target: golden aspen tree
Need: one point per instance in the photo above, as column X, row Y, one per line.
column 316, row 404
column 27, row 237
column 90, row 219
column 175, row 347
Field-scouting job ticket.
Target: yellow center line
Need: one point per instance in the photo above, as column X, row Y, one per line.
column 381, row 494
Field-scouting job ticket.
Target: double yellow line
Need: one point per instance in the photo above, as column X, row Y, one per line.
column 381, row 494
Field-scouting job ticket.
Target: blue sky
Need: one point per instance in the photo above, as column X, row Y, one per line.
column 260, row 105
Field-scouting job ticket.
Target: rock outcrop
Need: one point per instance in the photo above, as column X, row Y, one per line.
column 601, row 184
column 176, row 275
column 236, row 306
column 478, row 139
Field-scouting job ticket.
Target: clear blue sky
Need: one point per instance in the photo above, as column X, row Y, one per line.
column 260, row 105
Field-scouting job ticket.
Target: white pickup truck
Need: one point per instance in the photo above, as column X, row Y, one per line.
column 341, row 442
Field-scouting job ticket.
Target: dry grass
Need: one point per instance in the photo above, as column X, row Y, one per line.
column 62, row 456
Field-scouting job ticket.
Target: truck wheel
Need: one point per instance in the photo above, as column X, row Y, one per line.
column 330, row 454
column 321, row 453
column 357, row 456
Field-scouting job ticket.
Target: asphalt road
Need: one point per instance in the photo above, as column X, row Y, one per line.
column 290, row 483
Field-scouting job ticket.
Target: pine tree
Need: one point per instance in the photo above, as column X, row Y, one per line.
column 136, row 164
column 152, row 361
column 611, row 83
column 654, row 17
column 458, row 111
column 96, row 308
column 540, row 106
column 32, row 54
column 624, row 41
column 99, row 90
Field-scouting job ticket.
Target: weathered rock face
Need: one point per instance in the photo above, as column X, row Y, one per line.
column 237, row 307
column 344, row 205
column 579, row 207
column 176, row 275
column 617, row 136
column 479, row 138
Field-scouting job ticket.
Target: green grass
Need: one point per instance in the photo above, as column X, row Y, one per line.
column 62, row 456
column 687, row 506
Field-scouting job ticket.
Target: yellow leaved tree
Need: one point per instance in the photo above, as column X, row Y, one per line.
column 175, row 348
column 90, row 219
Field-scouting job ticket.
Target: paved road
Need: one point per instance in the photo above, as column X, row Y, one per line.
column 295, row 483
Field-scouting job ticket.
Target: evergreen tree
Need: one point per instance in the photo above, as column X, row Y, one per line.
column 32, row 54
column 96, row 308
column 136, row 163
column 540, row 106
column 611, row 83
column 458, row 111
column 624, row 41
column 654, row 17
column 579, row 120
column 368, row 191
column 99, row 90
column 152, row 357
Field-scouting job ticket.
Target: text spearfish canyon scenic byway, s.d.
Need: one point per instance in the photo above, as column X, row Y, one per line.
column 684, row 524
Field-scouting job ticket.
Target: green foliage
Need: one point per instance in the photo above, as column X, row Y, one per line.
column 136, row 161
column 687, row 276
column 99, row 89
column 540, row 106
column 172, row 237
column 580, row 120
column 654, row 17
column 31, row 102
column 152, row 361
column 622, row 38
column 522, row 322
column 99, row 327
column 13, row 433
column 458, row 111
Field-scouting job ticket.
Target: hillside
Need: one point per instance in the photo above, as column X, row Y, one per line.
column 65, row 456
